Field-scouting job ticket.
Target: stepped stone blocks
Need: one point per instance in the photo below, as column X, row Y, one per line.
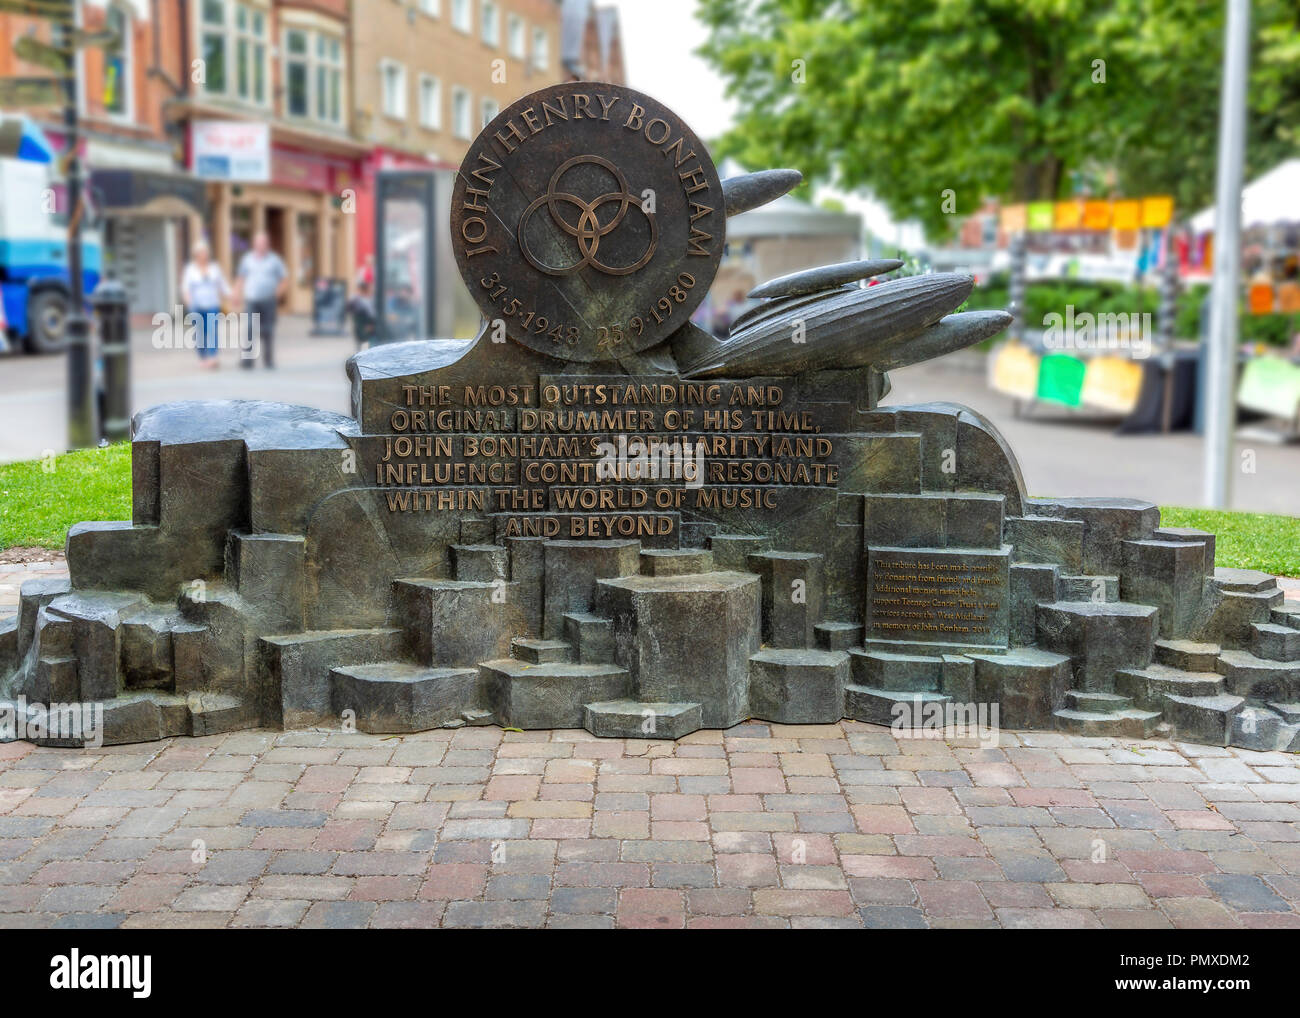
column 357, row 547
column 893, row 708
column 1027, row 683
column 792, row 592
column 980, row 459
column 146, row 648
column 482, row 563
column 1190, row 535
column 540, row 652
column 957, row 679
column 632, row 719
column 554, row 695
column 1046, row 540
column 528, row 573
column 1287, row 614
column 1099, row 638
column 572, row 571
column 911, row 673
column 797, row 686
column 1188, row 655
column 1274, row 642
column 453, row 621
column 394, row 696
column 731, row 551
column 1031, row 584
column 837, row 635
column 591, row 636
column 1108, row 522
column 1170, row 575
column 1202, row 718
column 1236, row 600
column 32, row 597
column 92, row 622
column 660, row 627
column 299, row 665
column 8, row 643
column 1103, row 589
column 269, row 572
column 279, row 561
column 1259, row 678
column 1149, row 686
column 675, row 562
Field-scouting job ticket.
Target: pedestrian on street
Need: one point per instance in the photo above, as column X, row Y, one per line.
column 203, row 287
column 261, row 282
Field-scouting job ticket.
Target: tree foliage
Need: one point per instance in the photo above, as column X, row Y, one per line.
column 1017, row 99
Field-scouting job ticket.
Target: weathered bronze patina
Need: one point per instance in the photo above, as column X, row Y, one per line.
column 588, row 222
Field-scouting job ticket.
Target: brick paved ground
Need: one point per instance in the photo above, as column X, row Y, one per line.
column 762, row 825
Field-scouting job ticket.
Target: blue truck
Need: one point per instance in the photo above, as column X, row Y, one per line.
column 34, row 257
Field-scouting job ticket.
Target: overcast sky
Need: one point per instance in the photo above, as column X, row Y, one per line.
column 659, row 37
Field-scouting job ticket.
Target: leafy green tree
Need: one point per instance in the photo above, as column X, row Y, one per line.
column 1018, row 99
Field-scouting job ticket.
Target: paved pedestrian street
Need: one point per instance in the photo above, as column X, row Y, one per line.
column 758, row 826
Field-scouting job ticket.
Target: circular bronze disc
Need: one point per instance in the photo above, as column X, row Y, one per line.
column 588, row 220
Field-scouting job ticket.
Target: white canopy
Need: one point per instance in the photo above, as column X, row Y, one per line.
column 1272, row 198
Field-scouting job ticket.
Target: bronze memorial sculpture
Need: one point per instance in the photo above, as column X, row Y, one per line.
column 595, row 515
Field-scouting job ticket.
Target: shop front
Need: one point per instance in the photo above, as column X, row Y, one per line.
column 306, row 205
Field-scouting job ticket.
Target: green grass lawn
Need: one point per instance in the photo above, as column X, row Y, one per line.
column 40, row 499
column 38, row 504
column 1245, row 540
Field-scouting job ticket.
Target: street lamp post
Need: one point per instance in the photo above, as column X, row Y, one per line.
column 1221, row 348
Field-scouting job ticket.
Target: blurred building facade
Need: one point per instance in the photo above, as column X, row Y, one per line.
column 346, row 88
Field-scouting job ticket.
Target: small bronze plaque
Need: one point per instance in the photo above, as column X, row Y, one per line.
column 587, row 221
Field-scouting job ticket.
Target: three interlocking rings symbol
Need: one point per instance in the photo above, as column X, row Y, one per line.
column 588, row 229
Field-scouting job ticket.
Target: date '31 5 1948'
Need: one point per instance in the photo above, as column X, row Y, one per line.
column 608, row 337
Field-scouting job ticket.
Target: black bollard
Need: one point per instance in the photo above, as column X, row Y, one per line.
column 110, row 304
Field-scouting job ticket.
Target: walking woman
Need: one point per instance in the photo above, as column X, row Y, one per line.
column 203, row 287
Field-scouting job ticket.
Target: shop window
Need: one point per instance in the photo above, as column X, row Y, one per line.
column 313, row 75
column 516, row 37
column 430, row 102
column 461, row 116
column 393, row 80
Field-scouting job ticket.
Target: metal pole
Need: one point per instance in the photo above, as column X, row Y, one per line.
column 112, row 312
column 1016, row 287
column 1221, row 350
column 83, row 426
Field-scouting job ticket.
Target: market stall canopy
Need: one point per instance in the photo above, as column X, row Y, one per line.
column 1272, row 198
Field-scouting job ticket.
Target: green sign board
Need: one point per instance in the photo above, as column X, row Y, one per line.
column 31, row 92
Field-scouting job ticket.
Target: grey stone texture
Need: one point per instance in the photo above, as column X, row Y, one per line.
column 659, row 624
column 797, row 687
column 266, row 578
